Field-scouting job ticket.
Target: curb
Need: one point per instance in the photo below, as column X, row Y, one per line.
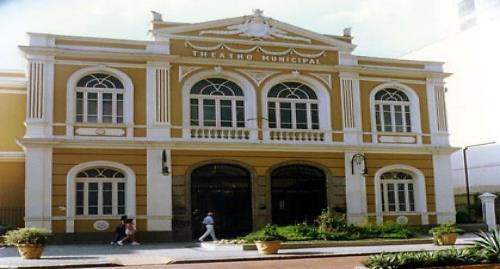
column 345, row 244
column 53, row 266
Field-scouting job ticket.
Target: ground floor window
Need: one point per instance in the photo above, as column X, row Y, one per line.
column 100, row 191
column 397, row 192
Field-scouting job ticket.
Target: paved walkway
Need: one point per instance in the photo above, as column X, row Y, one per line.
column 349, row 262
column 149, row 254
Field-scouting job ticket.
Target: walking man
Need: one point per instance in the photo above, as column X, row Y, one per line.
column 208, row 221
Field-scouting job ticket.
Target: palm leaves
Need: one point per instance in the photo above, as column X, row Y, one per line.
column 489, row 243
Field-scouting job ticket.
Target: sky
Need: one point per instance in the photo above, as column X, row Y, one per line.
column 384, row 28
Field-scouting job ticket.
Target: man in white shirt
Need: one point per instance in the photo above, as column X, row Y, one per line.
column 208, row 221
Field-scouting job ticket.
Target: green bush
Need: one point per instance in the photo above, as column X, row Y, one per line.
column 427, row 259
column 269, row 233
column 445, row 228
column 302, row 232
column 489, row 243
column 485, row 250
column 28, row 236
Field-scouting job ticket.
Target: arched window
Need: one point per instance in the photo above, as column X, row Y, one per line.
column 392, row 111
column 397, row 191
column 100, row 191
column 99, row 99
column 292, row 105
column 216, row 102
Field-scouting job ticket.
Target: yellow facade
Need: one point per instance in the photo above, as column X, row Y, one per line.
column 150, row 136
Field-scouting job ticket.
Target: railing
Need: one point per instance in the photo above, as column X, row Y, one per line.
column 285, row 135
column 206, row 133
column 12, row 216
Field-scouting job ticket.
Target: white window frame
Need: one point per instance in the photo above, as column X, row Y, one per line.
column 128, row 98
column 217, row 100
column 384, row 184
column 293, row 107
column 100, row 207
column 322, row 93
column 249, row 98
column 419, row 192
column 100, row 92
column 404, row 106
column 130, row 198
column 414, row 105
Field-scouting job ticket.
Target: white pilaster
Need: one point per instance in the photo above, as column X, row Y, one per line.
column 443, row 188
column 38, row 187
column 159, row 189
column 351, row 108
column 158, row 100
column 355, row 190
column 436, row 107
column 40, row 98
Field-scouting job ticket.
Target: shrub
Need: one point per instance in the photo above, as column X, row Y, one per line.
column 445, row 228
column 489, row 243
column 269, row 233
column 28, row 236
column 427, row 259
column 328, row 221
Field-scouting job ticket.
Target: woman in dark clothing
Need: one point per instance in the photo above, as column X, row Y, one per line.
column 120, row 230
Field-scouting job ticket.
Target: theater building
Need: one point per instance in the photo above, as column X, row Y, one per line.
column 255, row 119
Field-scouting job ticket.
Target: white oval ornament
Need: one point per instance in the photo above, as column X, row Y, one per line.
column 101, row 225
column 402, row 220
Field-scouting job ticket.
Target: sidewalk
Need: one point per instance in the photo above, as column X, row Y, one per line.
column 150, row 254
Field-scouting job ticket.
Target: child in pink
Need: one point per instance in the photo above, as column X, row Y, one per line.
column 129, row 233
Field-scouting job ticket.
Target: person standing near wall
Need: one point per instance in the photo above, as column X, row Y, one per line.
column 209, row 222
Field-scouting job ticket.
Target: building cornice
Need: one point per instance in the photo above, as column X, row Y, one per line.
column 97, row 54
column 180, row 144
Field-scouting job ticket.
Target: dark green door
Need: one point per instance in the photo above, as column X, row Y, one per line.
column 225, row 190
column 298, row 194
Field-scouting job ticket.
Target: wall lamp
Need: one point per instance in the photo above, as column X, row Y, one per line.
column 164, row 165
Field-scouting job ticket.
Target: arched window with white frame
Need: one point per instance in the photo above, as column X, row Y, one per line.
column 397, row 191
column 99, row 99
column 100, row 191
column 217, row 102
column 392, row 111
column 292, row 105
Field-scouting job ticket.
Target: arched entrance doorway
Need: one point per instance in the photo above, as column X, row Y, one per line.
column 224, row 189
column 298, row 194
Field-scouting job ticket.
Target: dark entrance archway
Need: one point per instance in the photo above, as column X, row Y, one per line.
column 224, row 189
column 298, row 193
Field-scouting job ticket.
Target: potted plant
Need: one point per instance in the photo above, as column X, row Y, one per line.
column 30, row 242
column 269, row 241
column 445, row 234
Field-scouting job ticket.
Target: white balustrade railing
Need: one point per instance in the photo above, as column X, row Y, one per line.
column 214, row 133
column 286, row 135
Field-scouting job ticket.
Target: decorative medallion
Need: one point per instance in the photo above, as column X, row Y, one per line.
column 101, row 225
column 257, row 27
column 403, row 220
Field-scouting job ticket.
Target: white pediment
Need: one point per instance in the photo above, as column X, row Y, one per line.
column 255, row 27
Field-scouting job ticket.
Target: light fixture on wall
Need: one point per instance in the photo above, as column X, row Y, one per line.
column 359, row 159
column 164, row 165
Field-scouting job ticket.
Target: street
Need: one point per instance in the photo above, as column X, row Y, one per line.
column 348, row 262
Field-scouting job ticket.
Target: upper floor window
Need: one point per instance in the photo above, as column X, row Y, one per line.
column 99, row 99
column 100, row 191
column 216, row 102
column 397, row 191
column 392, row 111
column 292, row 105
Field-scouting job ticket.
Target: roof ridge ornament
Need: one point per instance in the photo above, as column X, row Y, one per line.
column 257, row 27
column 156, row 16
